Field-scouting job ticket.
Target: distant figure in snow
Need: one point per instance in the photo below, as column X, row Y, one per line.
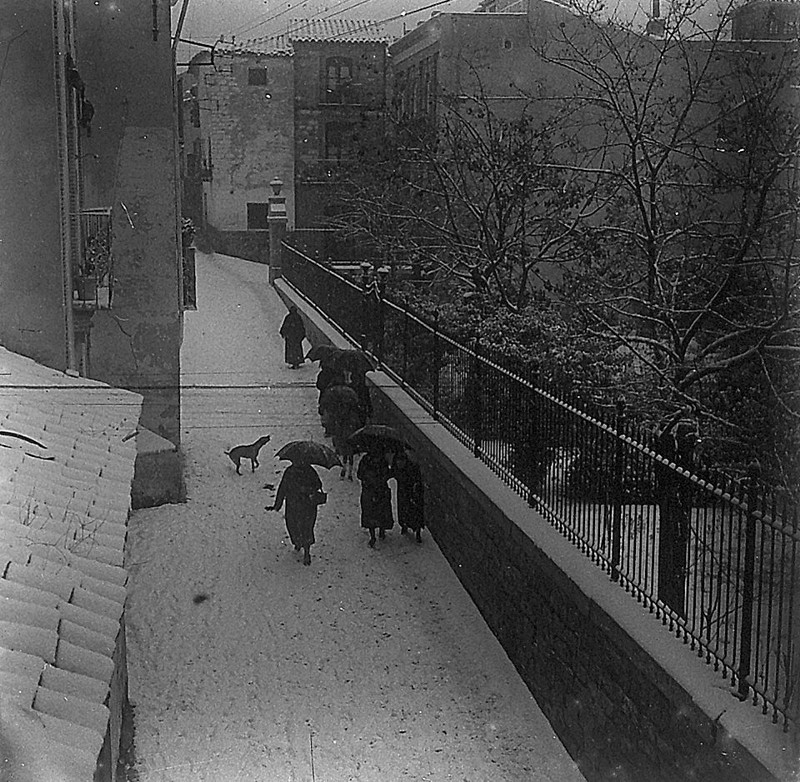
column 293, row 332
column 301, row 489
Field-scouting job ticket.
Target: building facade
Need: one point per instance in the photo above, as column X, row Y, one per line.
column 463, row 55
column 240, row 136
column 340, row 94
column 288, row 107
column 91, row 247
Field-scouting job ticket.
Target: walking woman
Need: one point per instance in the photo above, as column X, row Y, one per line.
column 301, row 489
column 376, row 497
column 410, row 493
column 293, row 332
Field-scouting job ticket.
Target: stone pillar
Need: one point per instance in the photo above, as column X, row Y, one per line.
column 277, row 228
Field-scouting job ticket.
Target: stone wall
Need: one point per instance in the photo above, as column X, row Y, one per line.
column 250, row 245
column 616, row 710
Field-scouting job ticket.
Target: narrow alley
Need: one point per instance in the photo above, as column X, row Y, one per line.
column 371, row 664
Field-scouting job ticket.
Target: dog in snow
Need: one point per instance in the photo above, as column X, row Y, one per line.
column 247, row 452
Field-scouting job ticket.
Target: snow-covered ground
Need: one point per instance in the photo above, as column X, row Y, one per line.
column 246, row 665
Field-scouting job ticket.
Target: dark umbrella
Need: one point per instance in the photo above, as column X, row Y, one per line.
column 356, row 361
column 322, row 353
column 377, row 436
column 309, row 452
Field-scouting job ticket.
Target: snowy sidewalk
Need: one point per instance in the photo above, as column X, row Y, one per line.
column 369, row 665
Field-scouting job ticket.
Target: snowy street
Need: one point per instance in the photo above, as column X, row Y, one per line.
column 369, row 665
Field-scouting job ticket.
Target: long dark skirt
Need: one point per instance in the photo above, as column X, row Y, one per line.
column 409, row 508
column 376, row 506
column 293, row 350
column 301, row 516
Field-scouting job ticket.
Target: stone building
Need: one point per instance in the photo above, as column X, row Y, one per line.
column 767, row 20
column 288, row 107
column 462, row 54
column 340, row 90
column 90, row 253
column 240, row 136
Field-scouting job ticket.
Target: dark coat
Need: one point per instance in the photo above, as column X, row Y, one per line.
column 359, row 385
column 376, row 497
column 297, row 488
column 328, row 376
column 410, row 493
column 293, row 332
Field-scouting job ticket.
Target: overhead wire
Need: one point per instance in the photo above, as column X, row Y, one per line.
column 246, row 29
column 333, row 13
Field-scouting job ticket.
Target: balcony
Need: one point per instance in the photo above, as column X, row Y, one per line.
column 92, row 275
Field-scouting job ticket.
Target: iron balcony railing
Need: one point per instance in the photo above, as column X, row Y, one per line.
column 715, row 559
column 93, row 274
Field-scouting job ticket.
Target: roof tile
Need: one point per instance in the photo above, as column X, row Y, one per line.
column 88, row 619
column 64, row 505
column 87, row 639
column 71, row 683
column 100, row 605
column 84, row 740
column 72, row 709
column 29, row 640
column 74, row 658
column 22, row 612
column 21, row 663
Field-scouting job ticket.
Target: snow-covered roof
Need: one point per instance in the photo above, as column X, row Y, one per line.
column 338, row 30
column 66, row 464
column 309, row 30
column 267, row 45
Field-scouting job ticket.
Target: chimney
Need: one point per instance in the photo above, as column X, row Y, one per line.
column 655, row 25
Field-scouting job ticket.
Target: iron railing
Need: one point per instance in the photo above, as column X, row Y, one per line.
column 93, row 280
column 715, row 559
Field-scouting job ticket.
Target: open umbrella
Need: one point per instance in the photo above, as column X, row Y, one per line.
column 377, row 436
column 322, row 353
column 309, row 452
column 355, row 361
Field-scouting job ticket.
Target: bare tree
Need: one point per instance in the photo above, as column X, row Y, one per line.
column 469, row 196
column 688, row 147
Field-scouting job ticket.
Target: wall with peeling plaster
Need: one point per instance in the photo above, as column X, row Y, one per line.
column 131, row 166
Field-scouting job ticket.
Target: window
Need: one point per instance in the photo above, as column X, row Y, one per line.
column 339, row 140
column 339, row 81
column 257, row 77
column 257, row 217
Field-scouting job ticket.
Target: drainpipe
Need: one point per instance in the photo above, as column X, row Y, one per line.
column 178, row 29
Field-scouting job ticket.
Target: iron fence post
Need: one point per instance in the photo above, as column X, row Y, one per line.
column 529, row 460
column 619, row 491
column 435, row 366
column 748, row 579
column 381, row 324
column 405, row 347
column 477, row 399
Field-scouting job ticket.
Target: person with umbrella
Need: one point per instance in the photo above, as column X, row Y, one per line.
column 335, row 404
column 376, row 497
column 293, row 332
column 355, row 364
column 373, row 472
column 410, row 493
column 301, row 489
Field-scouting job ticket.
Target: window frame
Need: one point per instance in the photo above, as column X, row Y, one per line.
column 338, row 89
column 251, row 71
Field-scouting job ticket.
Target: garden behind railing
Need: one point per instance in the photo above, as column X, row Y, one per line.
column 714, row 558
